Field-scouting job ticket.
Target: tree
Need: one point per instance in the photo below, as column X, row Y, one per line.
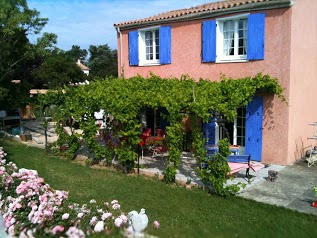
column 103, row 61
column 76, row 53
column 16, row 22
column 57, row 70
column 46, row 45
column 39, row 65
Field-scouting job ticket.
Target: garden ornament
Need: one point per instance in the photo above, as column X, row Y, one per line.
column 314, row 204
column 138, row 222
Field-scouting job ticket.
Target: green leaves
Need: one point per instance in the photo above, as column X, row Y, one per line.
column 215, row 175
column 103, row 61
column 125, row 98
column 58, row 70
column 169, row 174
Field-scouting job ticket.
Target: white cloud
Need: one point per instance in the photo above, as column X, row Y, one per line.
column 90, row 22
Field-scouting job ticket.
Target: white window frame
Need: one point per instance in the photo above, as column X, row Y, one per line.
column 219, row 132
column 221, row 58
column 142, row 47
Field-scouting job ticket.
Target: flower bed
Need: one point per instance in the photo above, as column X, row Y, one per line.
column 31, row 208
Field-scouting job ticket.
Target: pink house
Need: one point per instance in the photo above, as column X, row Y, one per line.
column 238, row 38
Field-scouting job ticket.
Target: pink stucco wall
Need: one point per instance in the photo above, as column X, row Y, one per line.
column 186, row 52
column 303, row 77
column 186, row 59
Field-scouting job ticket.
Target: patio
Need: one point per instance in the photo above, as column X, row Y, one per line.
column 187, row 171
column 155, row 166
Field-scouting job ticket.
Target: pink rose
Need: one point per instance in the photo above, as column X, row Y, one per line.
column 57, row 229
column 156, row 224
column 106, row 215
column 116, row 206
column 124, row 218
column 118, row 222
column 65, row 216
column 93, row 221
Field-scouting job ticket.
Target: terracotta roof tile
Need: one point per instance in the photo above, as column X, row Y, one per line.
column 82, row 66
column 208, row 7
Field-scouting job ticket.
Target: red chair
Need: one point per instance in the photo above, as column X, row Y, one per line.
column 142, row 143
column 160, row 132
column 143, row 140
column 146, row 132
column 158, row 146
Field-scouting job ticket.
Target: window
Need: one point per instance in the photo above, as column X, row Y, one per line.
column 235, row 129
column 239, row 136
column 231, row 39
column 245, row 131
column 150, row 46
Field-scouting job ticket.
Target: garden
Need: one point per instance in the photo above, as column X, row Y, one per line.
column 180, row 212
column 203, row 213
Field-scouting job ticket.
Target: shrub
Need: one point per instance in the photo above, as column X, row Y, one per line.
column 169, row 174
column 215, row 175
column 31, row 208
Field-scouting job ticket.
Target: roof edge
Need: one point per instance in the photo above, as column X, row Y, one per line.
column 258, row 6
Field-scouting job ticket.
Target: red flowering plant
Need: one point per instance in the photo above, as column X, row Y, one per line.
column 156, row 141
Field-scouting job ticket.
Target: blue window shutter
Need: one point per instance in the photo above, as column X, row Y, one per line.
column 134, row 47
column 253, row 128
column 209, row 132
column 209, row 41
column 165, row 45
column 256, row 33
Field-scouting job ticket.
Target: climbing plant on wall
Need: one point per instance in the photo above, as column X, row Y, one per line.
column 123, row 99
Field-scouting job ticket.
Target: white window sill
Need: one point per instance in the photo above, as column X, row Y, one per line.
column 231, row 60
column 149, row 63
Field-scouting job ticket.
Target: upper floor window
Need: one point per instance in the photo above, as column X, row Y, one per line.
column 150, row 46
column 231, row 39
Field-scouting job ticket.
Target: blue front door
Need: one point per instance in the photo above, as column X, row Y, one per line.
column 253, row 128
column 209, row 132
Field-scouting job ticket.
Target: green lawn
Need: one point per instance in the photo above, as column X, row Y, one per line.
column 181, row 212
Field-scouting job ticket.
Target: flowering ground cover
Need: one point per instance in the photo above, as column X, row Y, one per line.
column 31, row 208
column 181, row 212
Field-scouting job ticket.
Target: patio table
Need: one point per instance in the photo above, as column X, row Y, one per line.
column 156, row 145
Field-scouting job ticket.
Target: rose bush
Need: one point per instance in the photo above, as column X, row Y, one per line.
column 31, row 208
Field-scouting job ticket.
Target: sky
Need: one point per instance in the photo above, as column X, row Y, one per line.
column 90, row 22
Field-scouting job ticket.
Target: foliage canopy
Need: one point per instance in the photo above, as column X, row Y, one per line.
column 39, row 65
column 125, row 98
column 16, row 22
column 103, row 61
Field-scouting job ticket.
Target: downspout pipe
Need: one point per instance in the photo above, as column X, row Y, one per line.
column 121, row 63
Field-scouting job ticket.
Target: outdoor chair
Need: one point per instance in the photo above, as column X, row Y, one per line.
column 156, row 146
column 146, row 132
column 160, row 132
column 158, row 150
